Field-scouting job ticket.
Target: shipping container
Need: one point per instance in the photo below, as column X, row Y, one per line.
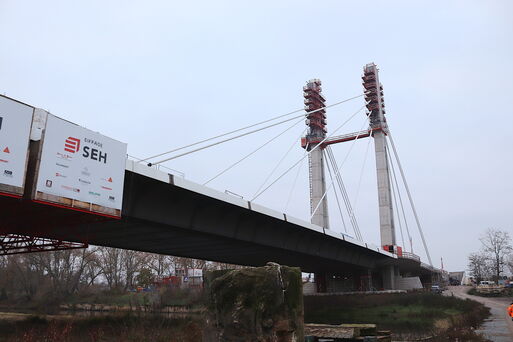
column 76, row 168
column 15, row 125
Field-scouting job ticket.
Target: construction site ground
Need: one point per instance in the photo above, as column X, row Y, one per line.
column 499, row 326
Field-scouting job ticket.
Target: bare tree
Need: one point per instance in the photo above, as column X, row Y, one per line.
column 161, row 265
column 133, row 261
column 183, row 265
column 93, row 269
column 111, row 266
column 64, row 268
column 510, row 263
column 497, row 246
column 478, row 266
column 25, row 277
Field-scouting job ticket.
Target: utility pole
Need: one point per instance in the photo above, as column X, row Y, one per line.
column 316, row 123
column 378, row 126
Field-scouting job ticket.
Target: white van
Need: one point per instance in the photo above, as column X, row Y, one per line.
column 486, row 283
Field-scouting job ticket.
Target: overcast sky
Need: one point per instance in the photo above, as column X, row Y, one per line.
column 161, row 74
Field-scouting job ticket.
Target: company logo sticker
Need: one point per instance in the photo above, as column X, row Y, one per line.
column 72, row 145
column 49, row 183
column 6, row 150
column 62, row 165
column 70, row 188
column 64, row 156
column 8, row 173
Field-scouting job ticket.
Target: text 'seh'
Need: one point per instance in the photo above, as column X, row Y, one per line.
column 72, row 145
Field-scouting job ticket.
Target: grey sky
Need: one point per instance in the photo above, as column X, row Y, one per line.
column 161, row 74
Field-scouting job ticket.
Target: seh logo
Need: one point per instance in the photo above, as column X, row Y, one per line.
column 72, row 145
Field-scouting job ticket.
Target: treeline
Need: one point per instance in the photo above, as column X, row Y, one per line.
column 495, row 257
column 67, row 272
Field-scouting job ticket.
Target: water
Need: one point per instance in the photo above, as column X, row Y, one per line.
column 90, row 313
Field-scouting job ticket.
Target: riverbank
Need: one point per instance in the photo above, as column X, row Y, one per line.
column 159, row 309
column 411, row 315
column 121, row 327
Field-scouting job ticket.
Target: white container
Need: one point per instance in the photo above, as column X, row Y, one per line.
column 78, row 168
column 15, row 124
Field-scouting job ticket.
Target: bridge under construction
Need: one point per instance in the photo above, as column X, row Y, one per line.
column 78, row 190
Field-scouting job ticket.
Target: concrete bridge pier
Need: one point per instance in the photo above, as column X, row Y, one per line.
column 431, row 278
column 389, row 273
column 427, row 279
column 347, row 280
column 364, row 280
column 321, row 280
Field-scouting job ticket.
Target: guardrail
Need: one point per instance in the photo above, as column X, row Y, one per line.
column 407, row 255
column 158, row 166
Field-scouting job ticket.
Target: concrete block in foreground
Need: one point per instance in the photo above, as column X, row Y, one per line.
column 255, row 304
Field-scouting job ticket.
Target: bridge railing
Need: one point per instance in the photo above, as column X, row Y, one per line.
column 159, row 167
column 407, row 255
column 433, row 269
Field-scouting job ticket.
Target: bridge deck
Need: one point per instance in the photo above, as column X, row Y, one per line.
column 169, row 215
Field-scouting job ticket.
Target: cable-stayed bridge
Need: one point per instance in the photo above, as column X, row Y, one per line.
column 161, row 212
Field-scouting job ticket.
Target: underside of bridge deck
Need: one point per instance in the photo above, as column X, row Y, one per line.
column 162, row 218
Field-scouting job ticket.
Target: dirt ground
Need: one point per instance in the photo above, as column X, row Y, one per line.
column 499, row 327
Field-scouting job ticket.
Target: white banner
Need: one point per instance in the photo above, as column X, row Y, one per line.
column 81, row 164
column 15, row 123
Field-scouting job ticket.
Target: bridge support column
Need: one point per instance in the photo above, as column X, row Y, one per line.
column 362, row 280
column 317, row 189
column 388, row 274
column 316, row 122
column 386, row 214
column 369, row 284
column 321, row 282
column 376, row 113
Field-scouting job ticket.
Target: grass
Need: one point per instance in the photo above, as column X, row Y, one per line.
column 397, row 312
column 105, row 328
column 387, row 316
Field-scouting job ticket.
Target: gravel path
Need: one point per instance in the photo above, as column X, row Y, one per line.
column 498, row 327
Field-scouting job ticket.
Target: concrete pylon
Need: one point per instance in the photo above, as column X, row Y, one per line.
column 317, row 189
column 378, row 125
column 316, row 122
column 386, row 215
